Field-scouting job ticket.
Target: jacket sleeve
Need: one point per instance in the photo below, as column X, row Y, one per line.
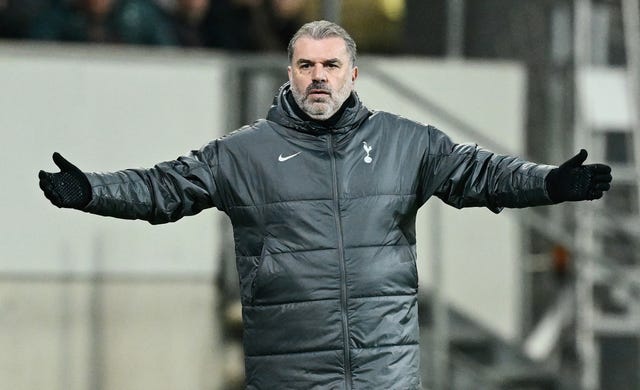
column 164, row 193
column 465, row 175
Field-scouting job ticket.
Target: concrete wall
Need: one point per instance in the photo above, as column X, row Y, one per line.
column 99, row 303
column 115, row 334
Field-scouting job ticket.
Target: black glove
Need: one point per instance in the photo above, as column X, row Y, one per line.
column 573, row 181
column 68, row 188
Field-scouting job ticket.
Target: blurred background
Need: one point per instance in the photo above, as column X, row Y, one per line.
column 544, row 298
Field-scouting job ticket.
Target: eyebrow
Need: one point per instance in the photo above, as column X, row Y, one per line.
column 325, row 62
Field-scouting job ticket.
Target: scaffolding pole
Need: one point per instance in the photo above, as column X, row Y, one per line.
column 585, row 339
column 631, row 24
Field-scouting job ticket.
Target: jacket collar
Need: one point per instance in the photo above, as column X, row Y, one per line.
column 285, row 112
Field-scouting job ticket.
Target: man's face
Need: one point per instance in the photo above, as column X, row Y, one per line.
column 321, row 75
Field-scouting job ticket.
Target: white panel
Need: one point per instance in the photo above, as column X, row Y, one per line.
column 102, row 113
column 604, row 99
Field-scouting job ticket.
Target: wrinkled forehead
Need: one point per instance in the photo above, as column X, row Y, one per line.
column 308, row 48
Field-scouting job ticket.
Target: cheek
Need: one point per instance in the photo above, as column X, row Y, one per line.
column 298, row 82
column 297, row 87
column 344, row 82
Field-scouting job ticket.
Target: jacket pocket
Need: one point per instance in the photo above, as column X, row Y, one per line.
column 256, row 271
column 412, row 259
column 411, row 248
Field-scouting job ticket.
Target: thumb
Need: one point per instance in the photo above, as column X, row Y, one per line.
column 576, row 160
column 62, row 163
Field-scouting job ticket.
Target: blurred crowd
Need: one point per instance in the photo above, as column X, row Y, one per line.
column 245, row 25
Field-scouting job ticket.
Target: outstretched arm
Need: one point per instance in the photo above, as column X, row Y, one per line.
column 464, row 175
column 164, row 193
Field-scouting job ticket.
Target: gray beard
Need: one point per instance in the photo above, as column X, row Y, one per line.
column 324, row 110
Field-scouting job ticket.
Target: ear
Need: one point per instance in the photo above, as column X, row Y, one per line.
column 289, row 70
column 354, row 74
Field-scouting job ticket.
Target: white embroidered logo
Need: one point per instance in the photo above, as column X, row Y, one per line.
column 285, row 158
column 367, row 149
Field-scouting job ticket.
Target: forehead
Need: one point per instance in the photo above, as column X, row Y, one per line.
column 320, row 49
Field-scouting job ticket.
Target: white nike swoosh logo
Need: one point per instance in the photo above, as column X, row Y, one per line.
column 285, row 158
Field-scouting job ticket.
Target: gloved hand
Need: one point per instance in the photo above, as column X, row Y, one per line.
column 67, row 188
column 573, row 181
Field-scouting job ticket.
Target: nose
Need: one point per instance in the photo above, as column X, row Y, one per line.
column 319, row 73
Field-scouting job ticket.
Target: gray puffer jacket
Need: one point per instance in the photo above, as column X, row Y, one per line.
column 324, row 228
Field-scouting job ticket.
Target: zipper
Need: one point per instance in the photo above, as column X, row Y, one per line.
column 343, row 267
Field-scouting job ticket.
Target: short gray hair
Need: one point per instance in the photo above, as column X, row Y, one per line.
column 321, row 29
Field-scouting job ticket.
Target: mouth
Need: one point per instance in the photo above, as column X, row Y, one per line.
column 318, row 92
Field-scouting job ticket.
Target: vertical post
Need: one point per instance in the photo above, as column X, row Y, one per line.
column 585, row 315
column 631, row 22
column 96, row 363
column 559, row 85
column 331, row 10
column 440, row 335
column 66, row 313
column 455, row 28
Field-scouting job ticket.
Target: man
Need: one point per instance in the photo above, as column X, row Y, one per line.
column 323, row 195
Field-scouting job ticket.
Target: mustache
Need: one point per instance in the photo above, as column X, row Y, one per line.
column 318, row 86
